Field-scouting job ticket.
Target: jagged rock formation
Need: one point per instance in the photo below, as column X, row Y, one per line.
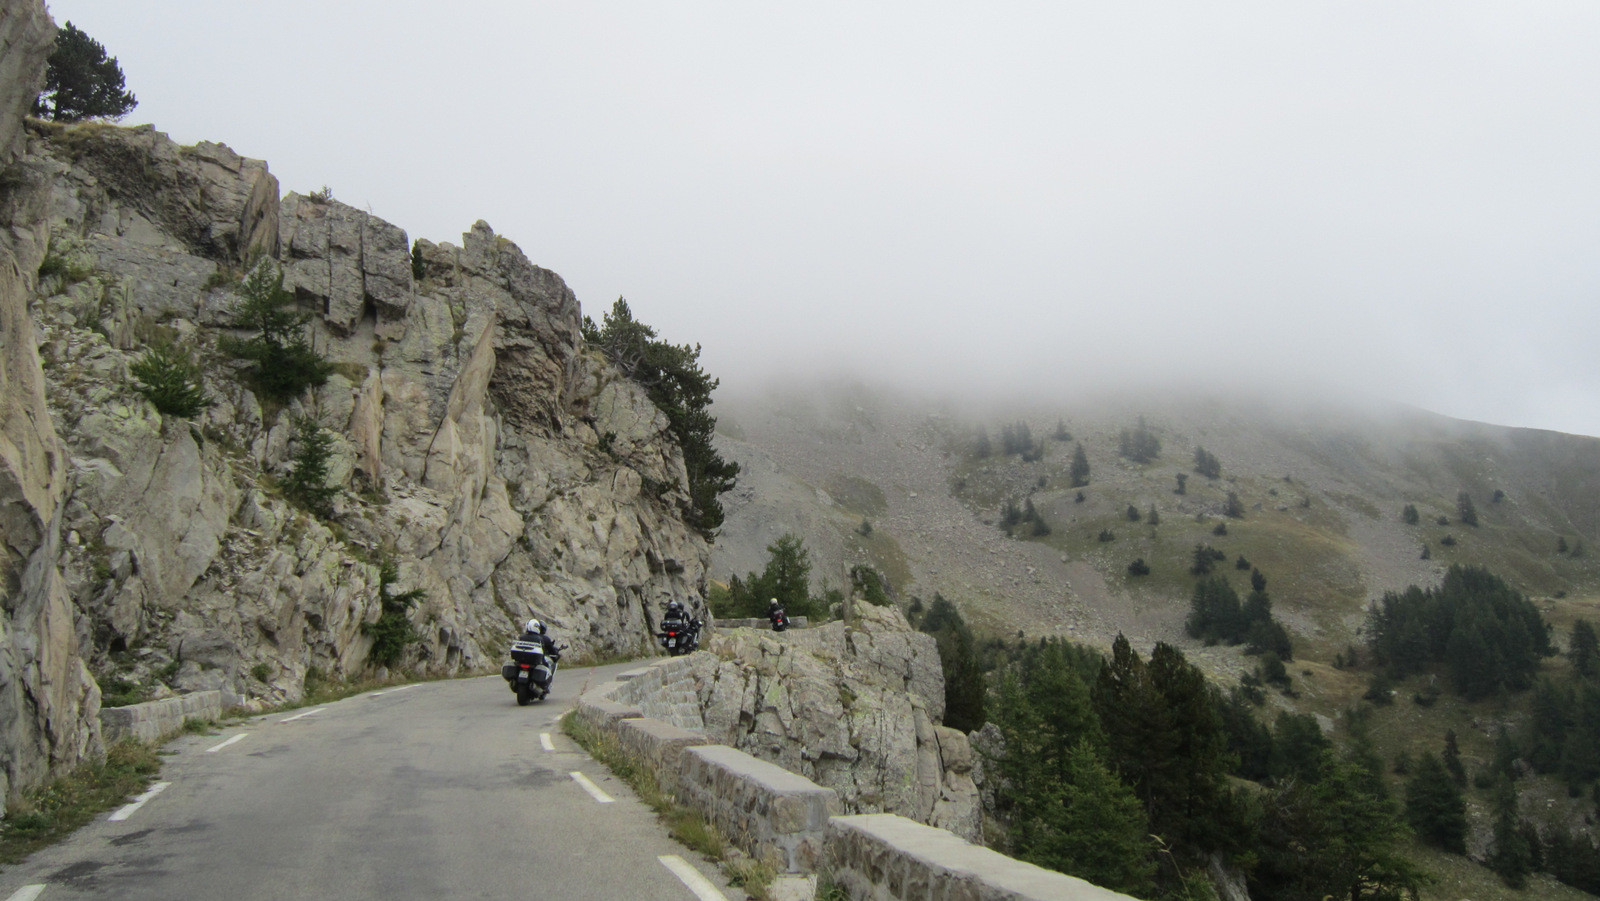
column 466, row 417
column 854, row 708
column 47, row 698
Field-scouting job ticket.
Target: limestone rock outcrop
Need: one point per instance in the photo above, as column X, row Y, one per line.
column 465, row 413
column 48, row 700
column 853, row 707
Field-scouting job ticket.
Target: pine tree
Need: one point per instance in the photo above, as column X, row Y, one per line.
column 284, row 363
column 1584, row 649
column 170, row 379
column 1452, row 759
column 1153, row 517
column 1410, row 515
column 1464, row 509
column 681, row 390
column 1509, row 854
column 82, row 82
column 1096, row 829
column 1079, row 471
column 306, row 484
column 1435, row 808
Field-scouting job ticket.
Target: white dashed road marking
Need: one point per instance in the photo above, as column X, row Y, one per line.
column 590, row 787
column 545, row 742
column 26, row 893
column 299, row 715
column 389, row 691
column 128, row 810
column 215, row 749
column 700, row 885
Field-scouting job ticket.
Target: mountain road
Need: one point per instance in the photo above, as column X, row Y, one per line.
column 436, row 790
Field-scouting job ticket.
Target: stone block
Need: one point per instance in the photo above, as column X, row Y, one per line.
column 889, row 856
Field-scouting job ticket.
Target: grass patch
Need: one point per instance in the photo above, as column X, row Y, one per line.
column 48, row 814
column 686, row 826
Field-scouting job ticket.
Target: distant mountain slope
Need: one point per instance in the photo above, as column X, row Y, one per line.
column 1322, row 488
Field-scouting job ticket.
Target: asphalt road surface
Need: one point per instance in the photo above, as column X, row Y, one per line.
column 440, row 790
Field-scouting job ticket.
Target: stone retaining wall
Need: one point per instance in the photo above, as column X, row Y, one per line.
column 154, row 720
column 792, row 822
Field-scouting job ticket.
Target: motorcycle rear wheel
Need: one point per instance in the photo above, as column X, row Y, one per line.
column 523, row 696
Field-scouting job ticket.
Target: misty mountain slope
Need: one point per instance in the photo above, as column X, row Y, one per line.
column 1322, row 490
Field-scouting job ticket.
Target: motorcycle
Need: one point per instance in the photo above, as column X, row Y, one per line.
column 680, row 636
column 780, row 620
column 531, row 671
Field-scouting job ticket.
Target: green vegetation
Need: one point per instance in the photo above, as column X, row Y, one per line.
column 283, row 363
column 1079, row 472
column 393, row 630
column 1139, row 444
column 307, row 484
column 672, row 377
column 170, row 379
column 82, row 82
column 787, row 577
column 1206, row 463
column 1486, row 635
column 964, row 686
column 48, row 814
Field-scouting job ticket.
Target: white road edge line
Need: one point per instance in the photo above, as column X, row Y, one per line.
column 691, row 877
column 299, row 715
column 545, row 742
column 128, row 810
column 236, row 738
column 387, row 691
column 590, row 787
column 26, row 893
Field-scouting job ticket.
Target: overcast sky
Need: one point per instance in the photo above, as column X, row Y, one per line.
column 1386, row 199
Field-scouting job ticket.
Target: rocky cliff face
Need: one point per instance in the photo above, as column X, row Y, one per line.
column 466, row 417
column 47, row 697
column 853, row 707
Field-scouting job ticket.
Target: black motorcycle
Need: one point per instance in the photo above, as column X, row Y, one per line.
column 531, row 671
column 779, row 619
column 680, row 636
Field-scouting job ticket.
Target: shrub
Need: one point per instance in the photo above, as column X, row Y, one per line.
column 1107, row 535
column 170, row 379
column 1139, row 568
column 1133, row 514
column 1410, row 515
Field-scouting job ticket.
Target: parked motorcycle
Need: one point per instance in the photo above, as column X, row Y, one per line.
column 680, row 636
column 531, row 671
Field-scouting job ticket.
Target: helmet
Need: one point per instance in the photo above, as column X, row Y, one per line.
column 773, row 602
column 674, row 605
column 533, row 625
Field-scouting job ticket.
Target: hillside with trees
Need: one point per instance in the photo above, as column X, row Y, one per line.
column 1320, row 567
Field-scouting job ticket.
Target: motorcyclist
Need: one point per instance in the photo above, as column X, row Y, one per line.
column 775, row 614
column 677, row 620
column 537, row 632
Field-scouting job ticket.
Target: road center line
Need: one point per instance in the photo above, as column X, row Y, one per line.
column 128, row 810
column 215, row 749
column 388, row 691
column 700, row 885
column 299, row 715
column 26, row 893
column 590, row 787
column 545, row 742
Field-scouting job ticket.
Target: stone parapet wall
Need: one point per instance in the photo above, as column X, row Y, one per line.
column 154, row 720
column 879, row 857
column 776, row 815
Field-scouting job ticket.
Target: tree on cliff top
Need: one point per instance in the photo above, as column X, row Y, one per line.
column 671, row 375
column 81, row 82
